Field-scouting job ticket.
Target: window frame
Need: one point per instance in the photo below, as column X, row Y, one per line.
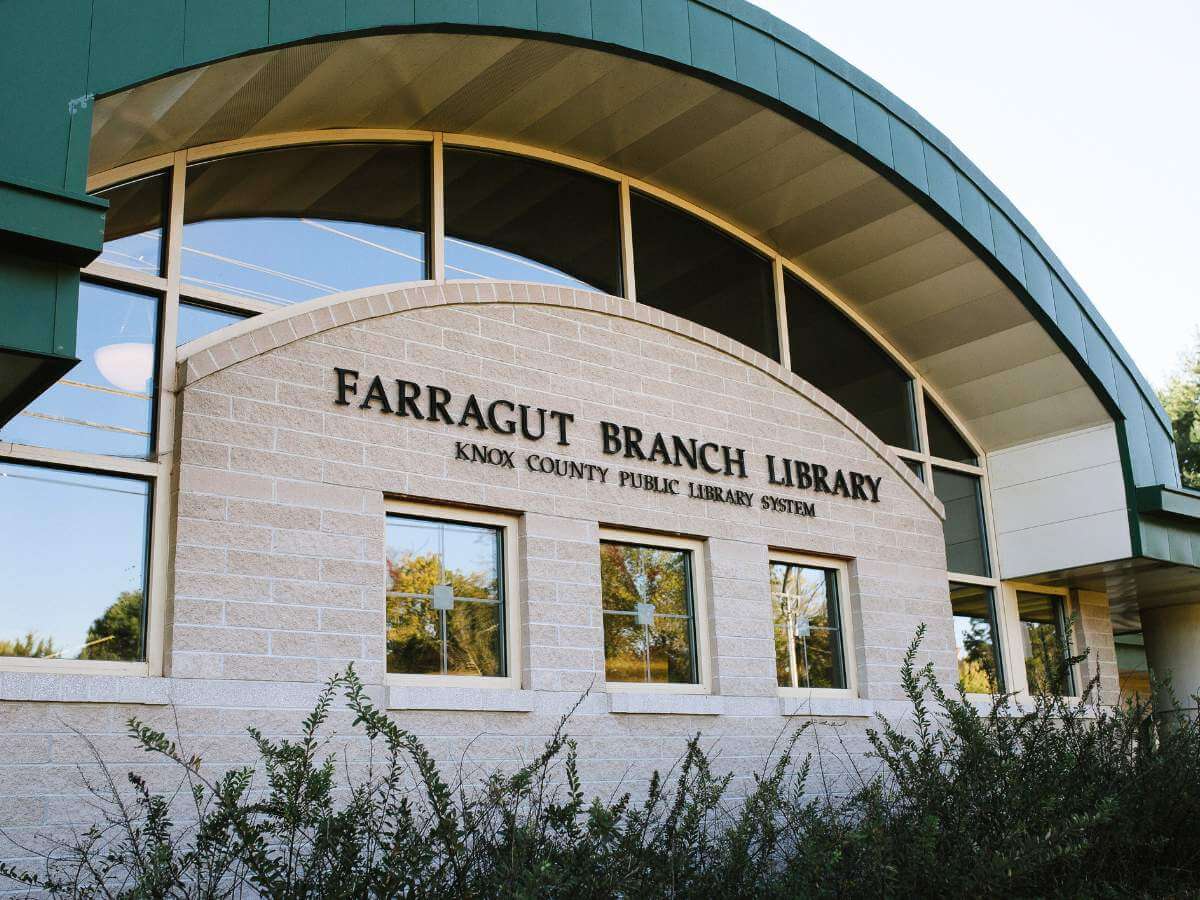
column 152, row 630
column 1002, row 626
column 698, row 569
column 846, row 618
column 512, row 599
column 1019, row 680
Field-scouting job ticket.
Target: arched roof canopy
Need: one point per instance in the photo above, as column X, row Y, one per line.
column 715, row 101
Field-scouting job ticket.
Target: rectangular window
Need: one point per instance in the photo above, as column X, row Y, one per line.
column 516, row 218
column 104, row 404
column 196, row 321
column 448, row 611
column 966, row 536
column 74, row 567
column 133, row 226
column 294, row 223
column 650, row 597
column 810, row 632
column 976, row 638
column 1043, row 621
column 689, row 268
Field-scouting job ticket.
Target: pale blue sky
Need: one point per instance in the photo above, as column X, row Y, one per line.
column 1084, row 113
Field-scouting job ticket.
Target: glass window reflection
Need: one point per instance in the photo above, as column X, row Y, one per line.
column 445, row 598
column 966, row 548
column 1044, row 640
column 196, row 321
column 808, row 629
column 688, row 268
column 297, row 223
column 75, row 573
column 649, row 621
column 944, row 439
column 511, row 217
column 133, row 226
column 104, row 404
column 975, row 638
column 832, row 353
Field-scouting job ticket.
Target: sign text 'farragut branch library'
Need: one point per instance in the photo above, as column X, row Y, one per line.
column 430, row 403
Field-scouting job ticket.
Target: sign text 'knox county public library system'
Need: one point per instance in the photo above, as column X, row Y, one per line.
column 430, row 403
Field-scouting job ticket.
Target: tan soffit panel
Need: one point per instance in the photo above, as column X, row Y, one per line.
column 892, row 263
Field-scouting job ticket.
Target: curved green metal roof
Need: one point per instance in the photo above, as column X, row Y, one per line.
column 108, row 45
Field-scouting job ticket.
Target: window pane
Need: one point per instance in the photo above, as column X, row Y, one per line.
column 832, row 353
column 292, row 224
column 197, row 321
column 808, row 635
column 975, row 638
column 649, row 627
column 515, row 218
column 1043, row 637
column 103, row 405
column 966, row 551
column 915, row 467
column 424, row 637
column 944, row 439
column 474, row 639
column 690, row 269
column 133, row 224
column 74, row 573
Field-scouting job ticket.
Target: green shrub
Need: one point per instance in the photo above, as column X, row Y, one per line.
column 1065, row 799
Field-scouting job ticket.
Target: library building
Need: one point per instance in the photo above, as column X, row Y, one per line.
column 638, row 351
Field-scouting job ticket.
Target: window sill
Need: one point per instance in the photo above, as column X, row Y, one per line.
column 826, row 705
column 666, row 704
column 92, row 687
column 459, row 698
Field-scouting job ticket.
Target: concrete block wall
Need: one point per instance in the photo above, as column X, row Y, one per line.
column 279, row 568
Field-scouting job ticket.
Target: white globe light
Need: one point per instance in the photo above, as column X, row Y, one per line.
column 127, row 366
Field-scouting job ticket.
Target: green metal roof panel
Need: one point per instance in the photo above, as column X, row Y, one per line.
column 136, row 40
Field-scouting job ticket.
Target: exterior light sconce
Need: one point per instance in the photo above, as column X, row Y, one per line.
column 644, row 613
column 803, row 627
column 443, row 597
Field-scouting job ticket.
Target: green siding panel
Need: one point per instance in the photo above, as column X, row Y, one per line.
column 573, row 17
column 943, row 182
column 618, row 22
column 451, row 11
column 755, row 54
column 1007, row 243
column 28, row 302
column 871, row 123
column 509, row 13
column 297, row 20
column 976, row 213
column 1140, row 456
column 362, row 14
column 1037, row 278
column 39, row 79
column 797, row 81
column 1066, row 313
column 66, row 312
column 665, row 29
column 835, row 101
column 1162, row 451
column 907, row 154
column 712, row 40
column 1156, row 542
column 134, row 40
column 218, row 28
column 1100, row 358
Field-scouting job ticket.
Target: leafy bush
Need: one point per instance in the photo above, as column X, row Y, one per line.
column 1065, row 799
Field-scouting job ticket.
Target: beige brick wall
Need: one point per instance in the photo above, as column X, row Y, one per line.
column 279, row 565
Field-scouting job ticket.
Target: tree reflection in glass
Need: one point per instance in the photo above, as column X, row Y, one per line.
column 808, row 633
column 463, row 634
column 975, row 633
column 1044, row 639
column 649, row 633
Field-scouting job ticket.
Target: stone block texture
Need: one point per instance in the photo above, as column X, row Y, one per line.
column 279, row 561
